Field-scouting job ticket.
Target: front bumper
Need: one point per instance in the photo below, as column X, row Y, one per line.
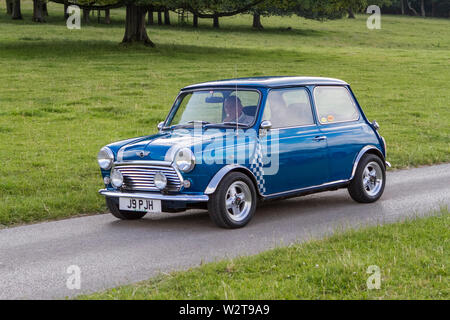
column 155, row 196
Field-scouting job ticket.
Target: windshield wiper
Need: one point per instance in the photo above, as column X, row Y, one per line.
column 189, row 123
column 198, row 121
column 233, row 123
column 227, row 124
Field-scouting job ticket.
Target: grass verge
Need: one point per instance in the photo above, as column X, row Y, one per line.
column 412, row 257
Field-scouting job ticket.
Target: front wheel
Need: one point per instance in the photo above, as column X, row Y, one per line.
column 113, row 207
column 233, row 204
column 369, row 180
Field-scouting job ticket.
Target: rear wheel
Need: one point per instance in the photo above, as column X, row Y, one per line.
column 233, row 204
column 113, row 206
column 369, row 180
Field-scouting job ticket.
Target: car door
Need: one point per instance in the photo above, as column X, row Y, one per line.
column 341, row 122
column 301, row 154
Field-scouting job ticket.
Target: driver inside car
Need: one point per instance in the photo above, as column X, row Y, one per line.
column 234, row 110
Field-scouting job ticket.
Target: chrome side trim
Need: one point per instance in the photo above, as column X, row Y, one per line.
column 280, row 194
column 155, row 196
column 212, row 186
column 359, row 156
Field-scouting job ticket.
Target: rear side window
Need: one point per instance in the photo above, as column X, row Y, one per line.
column 288, row 108
column 335, row 104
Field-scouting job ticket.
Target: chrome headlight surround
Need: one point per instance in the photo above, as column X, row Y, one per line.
column 105, row 158
column 116, row 178
column 185, row 160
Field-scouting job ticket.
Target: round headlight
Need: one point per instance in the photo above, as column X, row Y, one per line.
column 185, row 160
column 160, row 180
column 105, row 158
column 116, row 178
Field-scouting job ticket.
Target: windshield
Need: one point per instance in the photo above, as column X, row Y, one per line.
column 221, row 106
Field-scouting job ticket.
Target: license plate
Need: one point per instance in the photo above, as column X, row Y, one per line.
column 139, row 205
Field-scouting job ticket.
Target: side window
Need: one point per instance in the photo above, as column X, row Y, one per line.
column 335, row 104
column 288, row 108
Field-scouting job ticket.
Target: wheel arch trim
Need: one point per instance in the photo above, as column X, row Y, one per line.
column 215, row 181
column 363, row 151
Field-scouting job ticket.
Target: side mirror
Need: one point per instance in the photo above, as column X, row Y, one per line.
column 265, row 125
column 375, row 125
column 160, row 125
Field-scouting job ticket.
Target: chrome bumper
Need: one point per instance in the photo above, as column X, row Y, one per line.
column 155, row 196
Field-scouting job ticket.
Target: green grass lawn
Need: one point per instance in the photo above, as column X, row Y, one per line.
column 66, row 93
column 412, row 257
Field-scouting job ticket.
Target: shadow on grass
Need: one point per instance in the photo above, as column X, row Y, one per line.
column 36, row 48
column 203, row 28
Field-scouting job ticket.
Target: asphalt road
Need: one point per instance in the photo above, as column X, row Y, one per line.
column 34, row 258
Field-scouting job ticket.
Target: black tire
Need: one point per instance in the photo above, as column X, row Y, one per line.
column 113, row 207
column 356, row 188
column 217, row 202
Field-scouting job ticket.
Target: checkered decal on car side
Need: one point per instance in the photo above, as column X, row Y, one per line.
column 256, row 165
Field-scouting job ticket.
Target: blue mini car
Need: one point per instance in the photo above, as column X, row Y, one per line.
column 227, row 145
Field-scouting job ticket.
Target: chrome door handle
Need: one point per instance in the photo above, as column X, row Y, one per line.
column 320, row 138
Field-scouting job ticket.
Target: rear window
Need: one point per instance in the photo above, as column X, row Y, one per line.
column 335, row 104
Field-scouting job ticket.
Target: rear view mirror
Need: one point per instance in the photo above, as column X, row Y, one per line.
column 160, row 125
column 213, row 99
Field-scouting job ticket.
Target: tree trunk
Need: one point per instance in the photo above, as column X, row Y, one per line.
column 135, row 26
column 195, row 21
column 98, row 16
column 66, row 5
column 433, row 8
column 9, row 6
column 151, row 19
column 411, row 8
column 167, row 17
column 257, row 21
column 422, row 7
column 351, row 14
column 402, row 6
column 44, row 9
column 216, row 22
column 38, row 12
column 16, row 13
column 160, row 18
column 107, row 16
column 86, row 15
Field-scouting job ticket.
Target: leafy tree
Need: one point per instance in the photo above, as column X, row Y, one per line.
column 136, row 10
column 269, row 8
column 214, row 9
column 310, row 9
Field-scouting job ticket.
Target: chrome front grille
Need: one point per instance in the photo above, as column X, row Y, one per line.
column 140, row 177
